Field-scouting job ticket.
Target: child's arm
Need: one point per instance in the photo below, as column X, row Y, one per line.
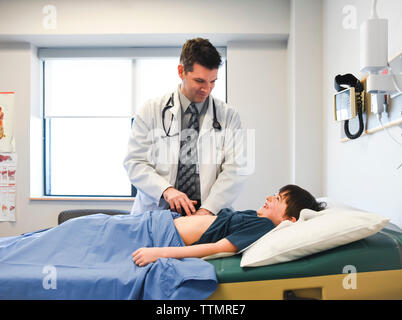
column 143, row 256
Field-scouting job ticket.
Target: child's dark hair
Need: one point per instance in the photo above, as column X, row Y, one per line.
column 199, row 51
column 297, row 199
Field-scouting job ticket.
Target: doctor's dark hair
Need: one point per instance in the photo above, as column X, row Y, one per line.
column 199, row 51
column 297, row 198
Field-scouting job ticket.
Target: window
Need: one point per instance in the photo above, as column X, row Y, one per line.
column 88, row 107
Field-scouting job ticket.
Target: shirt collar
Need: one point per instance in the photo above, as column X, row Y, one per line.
column 185, row 102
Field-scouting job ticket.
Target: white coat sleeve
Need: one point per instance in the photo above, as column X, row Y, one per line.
column 140, row 170
column 232, row 178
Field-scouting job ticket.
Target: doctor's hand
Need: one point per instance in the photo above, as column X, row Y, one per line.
column 178, row 200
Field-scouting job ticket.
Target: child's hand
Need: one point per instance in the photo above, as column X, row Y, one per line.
column 143, row 256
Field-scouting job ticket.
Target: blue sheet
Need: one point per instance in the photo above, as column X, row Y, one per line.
column 90, row 258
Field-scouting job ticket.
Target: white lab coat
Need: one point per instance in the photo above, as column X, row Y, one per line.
column 152, row 158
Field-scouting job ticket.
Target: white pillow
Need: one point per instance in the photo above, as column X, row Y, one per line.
column 312, row 233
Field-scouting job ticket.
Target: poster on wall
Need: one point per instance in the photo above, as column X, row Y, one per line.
column 8, row 165
column 6, row 122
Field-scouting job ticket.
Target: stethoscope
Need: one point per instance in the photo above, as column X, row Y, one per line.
column 216, row 125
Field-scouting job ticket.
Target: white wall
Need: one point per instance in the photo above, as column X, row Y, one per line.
column 257, row 88
column 361, row 172
column 305, row 94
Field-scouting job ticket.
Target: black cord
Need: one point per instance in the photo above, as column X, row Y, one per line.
column 360, row 115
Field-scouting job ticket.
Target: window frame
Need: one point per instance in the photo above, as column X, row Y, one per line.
column 66, row 53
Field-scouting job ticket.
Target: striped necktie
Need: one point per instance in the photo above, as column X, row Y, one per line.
column 187, row 173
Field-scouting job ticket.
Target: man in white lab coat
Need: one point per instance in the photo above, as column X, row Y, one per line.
column 186, row 149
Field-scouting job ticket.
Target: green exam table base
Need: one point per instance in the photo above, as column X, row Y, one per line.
column 370, row 268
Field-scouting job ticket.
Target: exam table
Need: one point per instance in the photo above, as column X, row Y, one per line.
column 376, row 263
column 370, row 268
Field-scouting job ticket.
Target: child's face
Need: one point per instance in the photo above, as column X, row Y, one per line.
column 274, row 209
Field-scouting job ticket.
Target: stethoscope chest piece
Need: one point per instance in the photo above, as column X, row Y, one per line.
column 216, row 125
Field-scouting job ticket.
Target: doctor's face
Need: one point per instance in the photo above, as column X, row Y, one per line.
column 197, row 84
column 274, row 209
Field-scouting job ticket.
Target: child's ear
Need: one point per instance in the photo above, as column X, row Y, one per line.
column 292, row 219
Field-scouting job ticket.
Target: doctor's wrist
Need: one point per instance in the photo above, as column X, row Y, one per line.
column 166, row 191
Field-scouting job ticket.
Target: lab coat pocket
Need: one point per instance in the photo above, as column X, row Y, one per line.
column 162, row 168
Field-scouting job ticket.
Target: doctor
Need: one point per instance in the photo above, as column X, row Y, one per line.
column 185, row 150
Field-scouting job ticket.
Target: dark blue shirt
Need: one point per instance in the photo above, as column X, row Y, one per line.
column 241, row 228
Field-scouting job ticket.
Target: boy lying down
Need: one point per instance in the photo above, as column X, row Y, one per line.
column 230, row 231
column 90, row 257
